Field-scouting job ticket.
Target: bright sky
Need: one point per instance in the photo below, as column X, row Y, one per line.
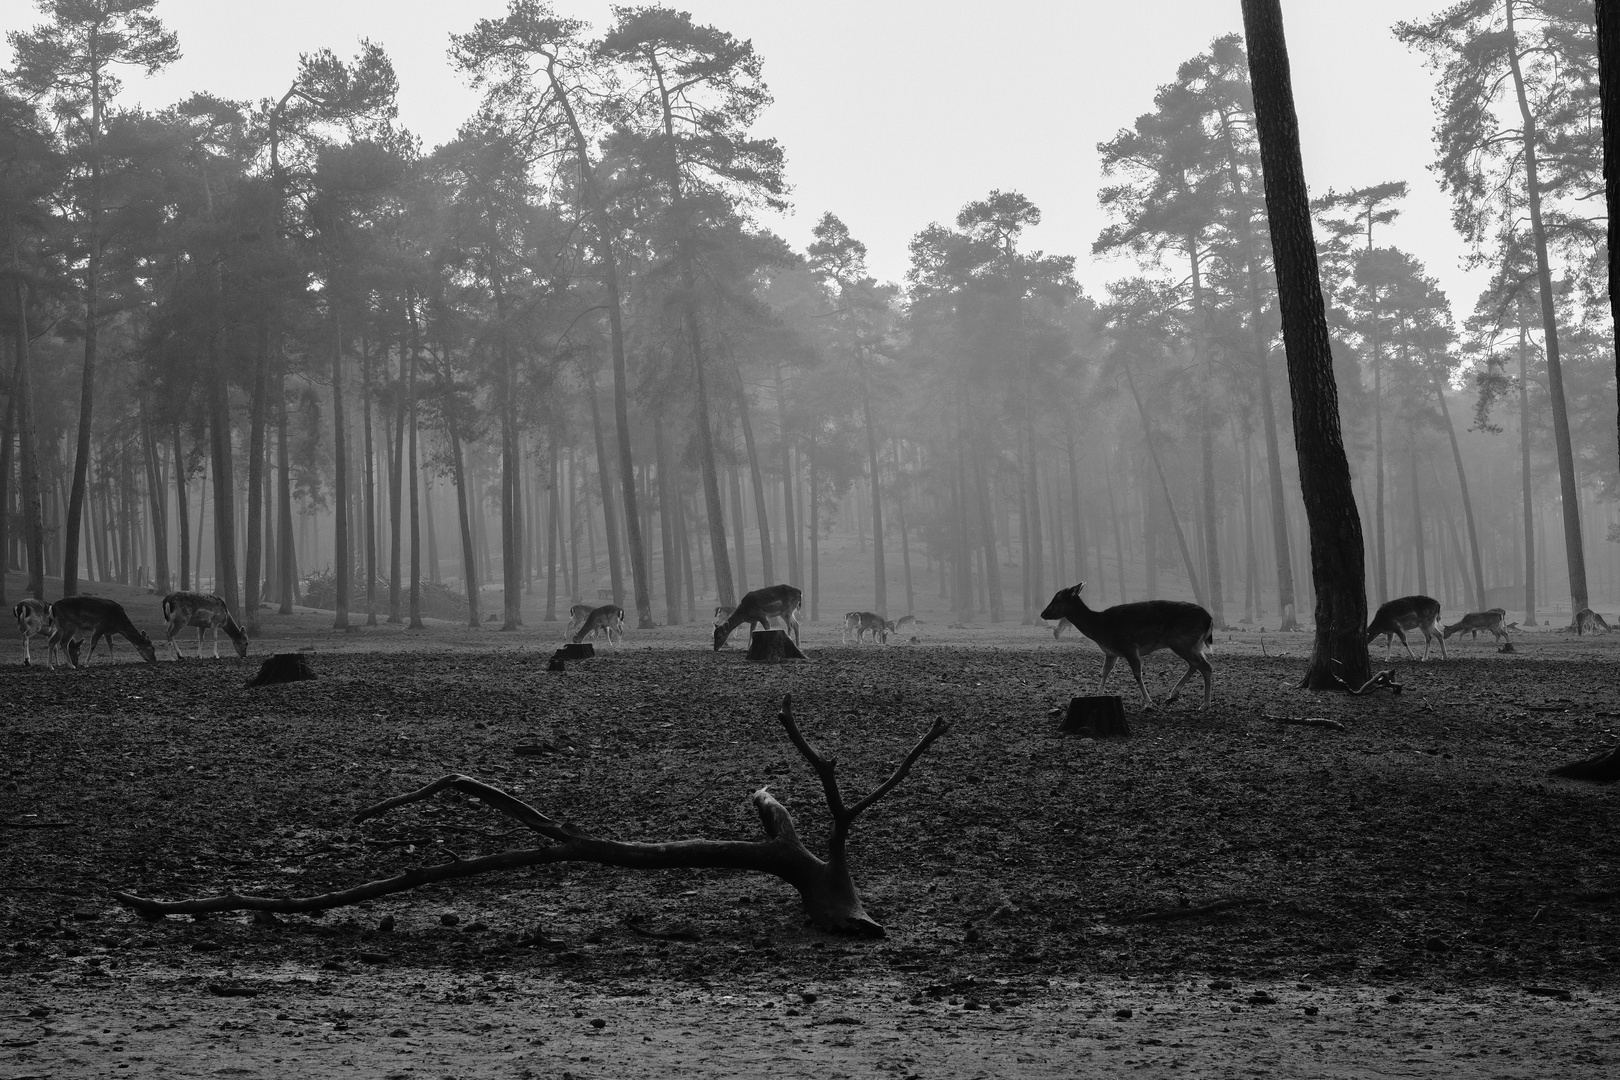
column 894, row 113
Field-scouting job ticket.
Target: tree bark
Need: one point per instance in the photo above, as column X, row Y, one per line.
column 1526, row 483
column 1608, row 50
column 1338, row 569
column 1574, row 549
column 27, row 442
column 251, row 585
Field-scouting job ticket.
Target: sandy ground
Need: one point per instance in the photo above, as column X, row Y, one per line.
column 153, row 1022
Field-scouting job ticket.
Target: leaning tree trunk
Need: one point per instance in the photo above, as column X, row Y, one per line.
column 1338, row 569
column 825, row 886
column 1574, row 549
column 1164, row 484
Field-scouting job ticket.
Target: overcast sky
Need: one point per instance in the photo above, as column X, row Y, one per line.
column 896, row 112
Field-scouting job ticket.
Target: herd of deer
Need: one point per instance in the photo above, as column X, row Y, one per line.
column 1128, row 631
column 65, row 624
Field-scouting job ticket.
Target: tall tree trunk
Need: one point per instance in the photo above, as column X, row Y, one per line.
column 1251, row 573
column 734, row 487
column 33, row 509
column 766, row 554
column 1337, row 552
column 1075, row 518
column 1608, row 49
column 1574, row 549
column 469, row 556
column 341, row 559
column 287, row 548
column 610, row 510
column 1164, row 485
column 413, row 473
column 396, row 491
column 879, row 571
column 1378, row 456
column 158, row 501
column 789, row 485
column 1526, row 482
column 666, row 528
column 905, row 544
column 815, row 540
column 1468, row 503
column 1417, row 526
column 251, row 585
column 369, row 481
column 554, row 524
column 987, row 527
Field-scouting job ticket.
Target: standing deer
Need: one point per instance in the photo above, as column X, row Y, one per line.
column 1475, row 621
column 1396, row 617
column 861, row 623
column 758, row 608
column 576, row 618
column 1587, row 621
column 33, row 619
column 1135, row 630
column 183, row 609
column 101, row 618
column 608, row 619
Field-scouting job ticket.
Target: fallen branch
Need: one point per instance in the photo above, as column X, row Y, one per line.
column 1383, row 678
column 1309, row 721
column 826, row 888
column 1169, row 914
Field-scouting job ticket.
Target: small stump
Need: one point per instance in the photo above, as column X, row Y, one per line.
column 1096, row 717
column 283, row 668
column 1507, row 647
column 575, row 650
column 1601, row 768
column 772, row 647
column 557, row 662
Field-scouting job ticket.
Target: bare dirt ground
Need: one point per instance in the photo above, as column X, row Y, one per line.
column 1395, row 887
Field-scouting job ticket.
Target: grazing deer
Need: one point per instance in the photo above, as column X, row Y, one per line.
column 1587, row 621
column 576, row 618
column 1396, row 617
column 905, row 624
column 75, row 615
column 1475, row 621
column 758, row 608
column 861, row 623
column 1134, row 630
column 183, row 609
column 608, row 619
column 33, row 619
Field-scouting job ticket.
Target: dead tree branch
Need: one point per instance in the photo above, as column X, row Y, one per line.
column 829, row 894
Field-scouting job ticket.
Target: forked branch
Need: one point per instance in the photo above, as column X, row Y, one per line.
column 829, row 894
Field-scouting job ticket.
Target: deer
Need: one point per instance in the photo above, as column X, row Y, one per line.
column 758, row 608
column 1587, row 621
column 608, row 619
column 1137, row 629
column 101, row 618
column 205, row 612
column 1396, row 617
column 1492, row 619
column 861, row 623
column 576, row 618
column 33, row 619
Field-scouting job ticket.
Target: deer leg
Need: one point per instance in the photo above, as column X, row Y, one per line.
column 1136, row 669
column 1410, row 655
column 1442, row 641
column 1108, row 668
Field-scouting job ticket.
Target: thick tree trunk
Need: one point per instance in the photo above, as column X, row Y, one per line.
column 1337, row 552
column 1574, row 549
column 1608, row 49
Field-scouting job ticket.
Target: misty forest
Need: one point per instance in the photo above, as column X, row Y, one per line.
column 415, row 409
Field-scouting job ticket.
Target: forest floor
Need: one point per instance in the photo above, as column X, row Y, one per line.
column 1410, row 896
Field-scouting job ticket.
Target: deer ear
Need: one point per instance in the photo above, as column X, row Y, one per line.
column 1076, row 590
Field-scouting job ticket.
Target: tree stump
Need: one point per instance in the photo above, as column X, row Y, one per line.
column 557, row 662
column 576, row 650
column 772, row 647
column 1097, row 717
column 283, row 667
